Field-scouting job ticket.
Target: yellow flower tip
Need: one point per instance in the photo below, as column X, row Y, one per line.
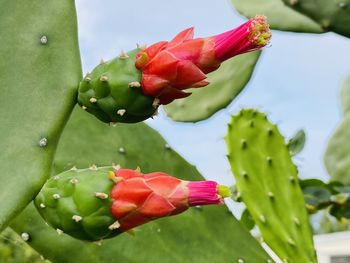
column 224, row 191
column 260, row 33
column 111, row 175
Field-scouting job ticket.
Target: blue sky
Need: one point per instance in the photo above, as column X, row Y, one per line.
column 296, row 80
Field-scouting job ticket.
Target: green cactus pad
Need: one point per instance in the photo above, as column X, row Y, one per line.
column 267, row 181
column 202, row 234
column 337, row 155
column 317, row 194
column 309, row 16
column 345, row 95
column 77, row 202
column 39, row 74
column 334, row 197
column 112, row 92
column 225, row 85
column 297, row 142
column 279, row 15
column 331, row 15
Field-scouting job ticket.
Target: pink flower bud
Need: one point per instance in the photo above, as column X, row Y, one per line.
column 139, row 198
column 168, row 68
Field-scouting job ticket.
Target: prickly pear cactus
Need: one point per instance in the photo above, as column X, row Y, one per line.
column 112, row 91
column 131, row 87
column 296, row 143
column 331, row 15
column 39, row 72
column 337, row 155
column 268, row 184
column 334, row 197
column 310, row 16
column 101, row 202
column 225, row 85
column 198, row 235
column 281, row 17
column 345, row 95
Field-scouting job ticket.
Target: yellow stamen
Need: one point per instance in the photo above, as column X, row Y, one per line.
column 224, row 191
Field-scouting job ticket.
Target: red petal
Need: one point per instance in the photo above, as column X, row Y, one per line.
column 133, row 220
column 182, row 36
column 164, row 65
column 155, row 174
column 152, row 85
column 155, row 49
column 132, row 190
column 127, row 173
column 121, row 208
column 189, row 50
column 187, row 74
column 163, row 185
column 179, row 198
column 199, row 84
column 169, row 94
column 156, row 206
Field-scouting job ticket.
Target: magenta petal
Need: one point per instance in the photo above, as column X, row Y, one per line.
column 252, row 35
column 203, row 193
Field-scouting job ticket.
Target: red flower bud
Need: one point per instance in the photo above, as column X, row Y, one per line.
column 139, row 198
column 168, row 68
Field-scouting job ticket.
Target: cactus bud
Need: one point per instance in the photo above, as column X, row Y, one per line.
column 107, row 202
column 170, row 67
column 162, row 72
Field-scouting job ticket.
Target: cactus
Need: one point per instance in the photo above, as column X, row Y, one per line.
column 337, row 155
column 281, row 17
column 13, row 248
column 225, row 85
column 199, row 235
column 40, row 70
column 130, row 87
column 331, row 15
column 267, row 181
column 40, row 73
column 99, row 203
column 309, row 16
column 334, row 196
column 345, row 95
column 296, row 143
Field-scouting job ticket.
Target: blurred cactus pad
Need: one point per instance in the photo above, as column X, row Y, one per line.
column 225, row 85
column 307, row 16
column 337, row 155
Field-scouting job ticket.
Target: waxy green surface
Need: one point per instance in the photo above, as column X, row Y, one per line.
column 39, row 73
column 337, row 155
column 268, row 185
column 203, row 234
column 112, row 91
